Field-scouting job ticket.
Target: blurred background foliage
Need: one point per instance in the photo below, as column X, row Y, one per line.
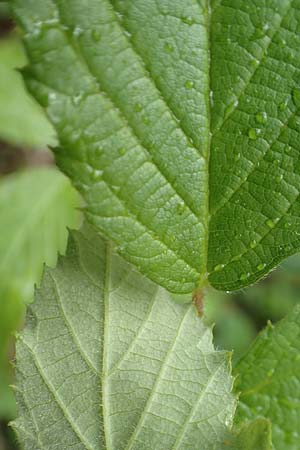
column 37, row 205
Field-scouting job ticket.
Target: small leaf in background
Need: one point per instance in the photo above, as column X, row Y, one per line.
column 268, row 377
column 108, row 360
column 234, row 329
column 22, row 121
column 36, row 207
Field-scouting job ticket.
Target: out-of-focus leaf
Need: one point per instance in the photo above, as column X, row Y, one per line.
column 254, row 435
column 22, row 121
column 233, row 330
column 36, row 207
column 269, row 380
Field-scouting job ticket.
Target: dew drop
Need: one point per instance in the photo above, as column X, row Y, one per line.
column 77, row 32
column 281, row 42
column 282, row 106
column 180, row 208
column 96, row 35
column 237, row 157
column 52, row 96
column 244, row 276
column 296, row 97
column 279, row 178
column 97, row 175
column 261, row 266
column 261, row 117
column 270, row 373
column 252, row 133
column 254, row 62
column 218, row 267
column 189, row 84
column 270, row 223
column 287, row 149
column 258, row 34
column 188, row 20
column 168, row 47
column 115, row 189
column 253, row 244
column 231, row 107
column 211, row 98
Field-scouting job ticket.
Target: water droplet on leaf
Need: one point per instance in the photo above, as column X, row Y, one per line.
column 282, row 106
column 180, row 208
column 261, row 117
column 252, row 133
column 261, row 266
column 77, row 32
column 188, row 20
column 270, row 223
column 296, row 97
column 189, row 84
column 231, row 107
column 218, row 267
column 244, row 276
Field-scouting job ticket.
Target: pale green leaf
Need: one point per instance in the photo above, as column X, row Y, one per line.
column 109, row 361
column 179, row 123
column 269, row 380
column 22, row 122
column 36, row 206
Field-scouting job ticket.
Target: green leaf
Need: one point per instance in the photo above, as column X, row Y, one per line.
column 109, row 361
column 254, row 435
column 22, row 122
column 179, row 123
column 39, row 206
column 269, row 377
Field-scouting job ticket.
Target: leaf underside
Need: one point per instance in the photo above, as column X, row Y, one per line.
column 268, row 378
column 179, row 123
column 109, row 361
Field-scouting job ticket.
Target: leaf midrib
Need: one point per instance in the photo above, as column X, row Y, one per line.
column 203, row 219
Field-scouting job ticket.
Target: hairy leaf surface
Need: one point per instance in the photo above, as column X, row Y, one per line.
column 109, row 361
column 179, row 123
column 269, row 379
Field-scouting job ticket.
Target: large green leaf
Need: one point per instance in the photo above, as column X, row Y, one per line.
column 269, row 378
column 179, row 123
column 109, row 361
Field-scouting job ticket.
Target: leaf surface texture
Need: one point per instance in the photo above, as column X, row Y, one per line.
column 109, row 361
column 179, row 123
